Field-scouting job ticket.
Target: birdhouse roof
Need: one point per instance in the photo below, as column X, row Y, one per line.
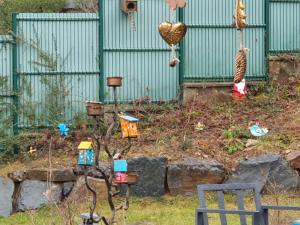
column 84, row 145
column 129, row 118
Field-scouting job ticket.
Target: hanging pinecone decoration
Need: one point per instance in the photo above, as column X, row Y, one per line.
column 240, row 65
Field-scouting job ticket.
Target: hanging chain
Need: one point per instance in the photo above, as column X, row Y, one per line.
column 132, row 21
column 172, row 16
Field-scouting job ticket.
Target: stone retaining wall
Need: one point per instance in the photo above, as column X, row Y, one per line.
column 29, row 190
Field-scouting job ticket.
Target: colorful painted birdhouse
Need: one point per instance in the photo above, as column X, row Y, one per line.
column 120, row 178
column 129, row 126
column 86, row 153
column 120, row 166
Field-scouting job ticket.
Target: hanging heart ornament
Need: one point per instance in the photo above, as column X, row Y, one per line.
column 172, row 33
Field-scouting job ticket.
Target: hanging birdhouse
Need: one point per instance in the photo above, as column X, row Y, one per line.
column 129, row 6
column 86, row 153
column 120, row 169
column 129, row 126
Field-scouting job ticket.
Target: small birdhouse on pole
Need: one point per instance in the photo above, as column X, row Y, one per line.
column 129, row 126
column 86, row 153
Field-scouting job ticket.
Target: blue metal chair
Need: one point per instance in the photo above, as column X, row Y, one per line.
column 260, row 216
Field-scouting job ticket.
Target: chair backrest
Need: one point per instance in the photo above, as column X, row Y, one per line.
column 238, row 189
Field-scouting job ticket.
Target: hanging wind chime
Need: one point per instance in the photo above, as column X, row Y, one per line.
column 173, row 32
column 239, row 88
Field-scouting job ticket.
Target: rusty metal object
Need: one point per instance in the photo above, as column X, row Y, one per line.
column 114, row 81
column 172, row 33
column 94, row 108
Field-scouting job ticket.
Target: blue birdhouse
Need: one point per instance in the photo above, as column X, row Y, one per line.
column 297, row 222
column 120, row 166
column 86, row 153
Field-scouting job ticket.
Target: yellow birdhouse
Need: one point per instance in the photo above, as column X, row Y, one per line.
column 129, row 126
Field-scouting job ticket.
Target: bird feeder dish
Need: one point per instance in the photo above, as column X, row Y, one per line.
column 129, row 127
column 114, row 81
column 94, row 108
column 86, row 153
column 129, row 6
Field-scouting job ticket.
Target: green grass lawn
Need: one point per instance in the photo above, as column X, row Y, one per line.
column 163, row 211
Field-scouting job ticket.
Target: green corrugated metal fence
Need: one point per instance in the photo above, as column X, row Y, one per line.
column 61, row 60
column 141, row 57
column 284, row 33
column 57, row 66
column 6, row 92
column 212, row 41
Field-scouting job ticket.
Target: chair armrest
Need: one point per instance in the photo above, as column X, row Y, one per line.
column 224, row 211
column 274, row 207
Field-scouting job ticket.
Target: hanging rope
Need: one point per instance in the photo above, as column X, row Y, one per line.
column 241, row 58
column 174, row 60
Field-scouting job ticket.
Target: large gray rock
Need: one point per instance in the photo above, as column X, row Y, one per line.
column 184, row 176
column 6, row 194
column 67, row 188
column 151, row 176
column 57, row 175
column 34, row 194
column 270, row 172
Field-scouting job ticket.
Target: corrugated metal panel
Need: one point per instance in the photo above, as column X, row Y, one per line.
column 141, row 57
column 211, row 42
column 285, row 26
column 57, row 58
column 5, row 85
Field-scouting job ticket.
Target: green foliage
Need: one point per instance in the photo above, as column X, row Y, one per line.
column 235, row 139
column 7, row 7
column 277, row 141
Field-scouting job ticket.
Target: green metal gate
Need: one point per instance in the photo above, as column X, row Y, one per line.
column 61, row 60
column 211, row 42
column 6, row 83
column 141, row 57
column 56, row 66
column 284, row 35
